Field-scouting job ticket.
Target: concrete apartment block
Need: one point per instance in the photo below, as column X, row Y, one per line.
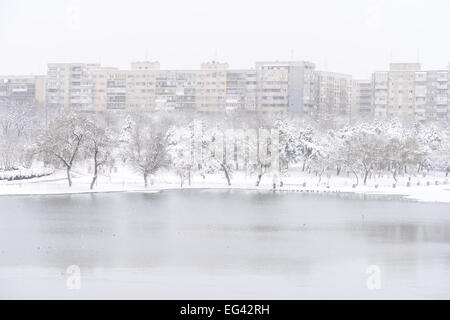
column 333, row 94
column 406, row 91
column 285, row 86
column 361, row 99
column 22, row 89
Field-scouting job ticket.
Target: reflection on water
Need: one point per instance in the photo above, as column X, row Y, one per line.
column 312, row 245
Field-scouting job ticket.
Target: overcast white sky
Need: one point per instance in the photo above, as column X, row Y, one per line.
column 350, row 36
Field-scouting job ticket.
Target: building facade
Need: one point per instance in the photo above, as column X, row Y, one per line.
column 361, row 99
column 22, row 90
column 333, row 94
column 406, row 91
column 241, row 90
column 70, row 85
column 270, row 87
column 285, row 86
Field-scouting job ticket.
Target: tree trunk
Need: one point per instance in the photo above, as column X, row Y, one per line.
column 320, row 175
column 366, row 175
column 258, row 181
column 227, row 176
column 145, row 180
column 421, row 167
column 357, row 178
column 94, row 179
column 68, row 177
column 394, row 175
column 95, row 171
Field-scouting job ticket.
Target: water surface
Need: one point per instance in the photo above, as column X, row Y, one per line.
column 203, row 244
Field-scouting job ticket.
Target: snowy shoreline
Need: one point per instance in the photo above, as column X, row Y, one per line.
column 57, row 185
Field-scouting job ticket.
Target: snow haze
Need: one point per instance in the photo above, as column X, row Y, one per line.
column 351, row 36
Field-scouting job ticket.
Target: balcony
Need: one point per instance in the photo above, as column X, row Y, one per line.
column 116, row 91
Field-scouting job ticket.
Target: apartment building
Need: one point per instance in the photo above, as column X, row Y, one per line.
column 175, row 90
column 22, row 90
column 402, row 77
column 272, row 86
column 241, row 88
column 285, row 86
column 380, row 92
column 141, row 87
column 272, row 80
column 70, row 85
column 408, row 92
column 333, row 94
column 448, row 91
column 147, row 88
column 116, row 90
column 361, row 99
column 40, row 90
column 109, row 89
column 440, row 97
column 431, row 95
column 210, row 88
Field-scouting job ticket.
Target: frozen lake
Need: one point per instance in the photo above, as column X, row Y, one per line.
column 208, row 244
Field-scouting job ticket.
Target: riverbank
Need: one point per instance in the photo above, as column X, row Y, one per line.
column 428, row 189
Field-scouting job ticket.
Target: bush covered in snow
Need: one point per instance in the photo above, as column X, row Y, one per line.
column 23, row 174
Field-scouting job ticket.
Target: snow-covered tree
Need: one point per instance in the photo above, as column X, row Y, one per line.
column 298, row 141
column 181, row 153
column 63, row 140
column 98, row 146
column 145, row 144
column 16, row 124
column 214, row 155
column 360, row 149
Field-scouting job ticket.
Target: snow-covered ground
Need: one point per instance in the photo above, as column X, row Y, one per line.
column 125, row 181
